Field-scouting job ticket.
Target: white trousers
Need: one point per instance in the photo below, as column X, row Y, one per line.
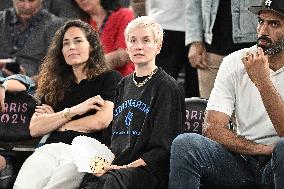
column 49, row 167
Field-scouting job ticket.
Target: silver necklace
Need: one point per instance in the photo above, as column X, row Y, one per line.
column 145, row 80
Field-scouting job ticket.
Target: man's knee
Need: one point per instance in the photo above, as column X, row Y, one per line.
column 186, row 140
column 187, row 143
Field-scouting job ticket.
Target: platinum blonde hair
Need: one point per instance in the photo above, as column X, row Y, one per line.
column 145, row 21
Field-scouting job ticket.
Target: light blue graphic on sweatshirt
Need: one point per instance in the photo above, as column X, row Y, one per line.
column 128, row 119
column 129, row 116
column 132, row 103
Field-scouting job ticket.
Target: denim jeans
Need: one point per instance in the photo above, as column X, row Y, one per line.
column 196, row 159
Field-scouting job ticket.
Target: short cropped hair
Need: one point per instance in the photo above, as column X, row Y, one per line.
column 145, row 21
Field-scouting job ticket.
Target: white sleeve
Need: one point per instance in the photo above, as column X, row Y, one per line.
column 222, row 97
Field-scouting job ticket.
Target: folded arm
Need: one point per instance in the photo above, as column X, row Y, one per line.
column 45, row 120
column 91, row 123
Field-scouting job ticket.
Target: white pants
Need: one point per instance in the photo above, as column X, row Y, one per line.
column 49, row 167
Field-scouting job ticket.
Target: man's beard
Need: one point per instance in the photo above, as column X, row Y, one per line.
column 272, row 48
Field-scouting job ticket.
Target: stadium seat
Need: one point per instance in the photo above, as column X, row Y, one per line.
column 16, row 144
column 195, row 111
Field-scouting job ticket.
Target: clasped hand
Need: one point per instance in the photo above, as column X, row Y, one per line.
column 43, row 109
column 94, row 103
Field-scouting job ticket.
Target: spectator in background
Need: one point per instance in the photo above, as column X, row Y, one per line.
column 4, row 4
column 215, row 29
column 63, row 8
column 26, row 31
column 173, row 57
column 110, row 20
column 60, row 8
column 250, row 82
column 139, row 7
column 77, row 91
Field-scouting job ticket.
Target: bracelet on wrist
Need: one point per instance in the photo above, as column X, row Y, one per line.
column 66, row 114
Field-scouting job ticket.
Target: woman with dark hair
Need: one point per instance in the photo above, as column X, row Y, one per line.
column 110, row 20
column 77, row 91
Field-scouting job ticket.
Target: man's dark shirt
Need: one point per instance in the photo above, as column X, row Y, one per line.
column 61, row 8
column 28, row 45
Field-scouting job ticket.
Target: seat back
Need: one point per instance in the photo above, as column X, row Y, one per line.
column 195, row 112
column 15, row 120
column 16, row 144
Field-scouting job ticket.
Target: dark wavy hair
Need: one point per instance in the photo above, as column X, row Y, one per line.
column 56, row 75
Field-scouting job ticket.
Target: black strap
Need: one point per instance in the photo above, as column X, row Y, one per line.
column 104, row 22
